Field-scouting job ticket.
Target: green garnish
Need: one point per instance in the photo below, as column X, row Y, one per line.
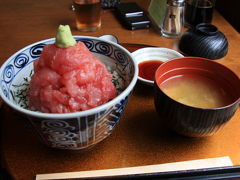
column 64, row 37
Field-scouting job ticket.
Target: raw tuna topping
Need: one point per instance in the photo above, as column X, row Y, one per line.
column 68, row 80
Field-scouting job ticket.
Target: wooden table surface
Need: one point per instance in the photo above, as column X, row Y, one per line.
column 137, row 140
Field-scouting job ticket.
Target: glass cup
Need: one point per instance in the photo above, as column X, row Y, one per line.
column 88, row 14
column 198, row 11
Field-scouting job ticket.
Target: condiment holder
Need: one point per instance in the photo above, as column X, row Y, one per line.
column 149, row 58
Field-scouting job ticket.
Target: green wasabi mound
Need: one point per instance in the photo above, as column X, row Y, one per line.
column 64, row 37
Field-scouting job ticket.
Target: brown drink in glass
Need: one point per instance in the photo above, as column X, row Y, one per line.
column 198, row 11
column 88, row 14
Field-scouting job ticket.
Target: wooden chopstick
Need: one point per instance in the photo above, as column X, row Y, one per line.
column 178, row 169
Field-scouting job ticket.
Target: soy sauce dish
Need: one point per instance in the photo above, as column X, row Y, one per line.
column 149, row 59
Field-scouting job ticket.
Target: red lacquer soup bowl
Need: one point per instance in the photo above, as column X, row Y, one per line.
column 195, row 96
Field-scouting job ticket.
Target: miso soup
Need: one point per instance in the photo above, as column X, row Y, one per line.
column 197, row 91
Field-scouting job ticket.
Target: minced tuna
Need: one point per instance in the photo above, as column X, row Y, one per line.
column 69, row 80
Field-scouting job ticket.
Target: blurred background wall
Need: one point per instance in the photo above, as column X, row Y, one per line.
column 230, row 10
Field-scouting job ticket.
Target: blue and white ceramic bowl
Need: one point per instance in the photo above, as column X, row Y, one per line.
column 77, row 130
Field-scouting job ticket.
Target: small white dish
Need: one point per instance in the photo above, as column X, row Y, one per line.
column 153, row 53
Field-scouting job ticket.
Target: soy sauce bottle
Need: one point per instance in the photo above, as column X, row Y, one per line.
column 198, row 11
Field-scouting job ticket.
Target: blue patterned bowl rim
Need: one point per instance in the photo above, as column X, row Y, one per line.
column 107, row 105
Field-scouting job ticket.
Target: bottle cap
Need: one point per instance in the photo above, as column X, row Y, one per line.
column 176, row 2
